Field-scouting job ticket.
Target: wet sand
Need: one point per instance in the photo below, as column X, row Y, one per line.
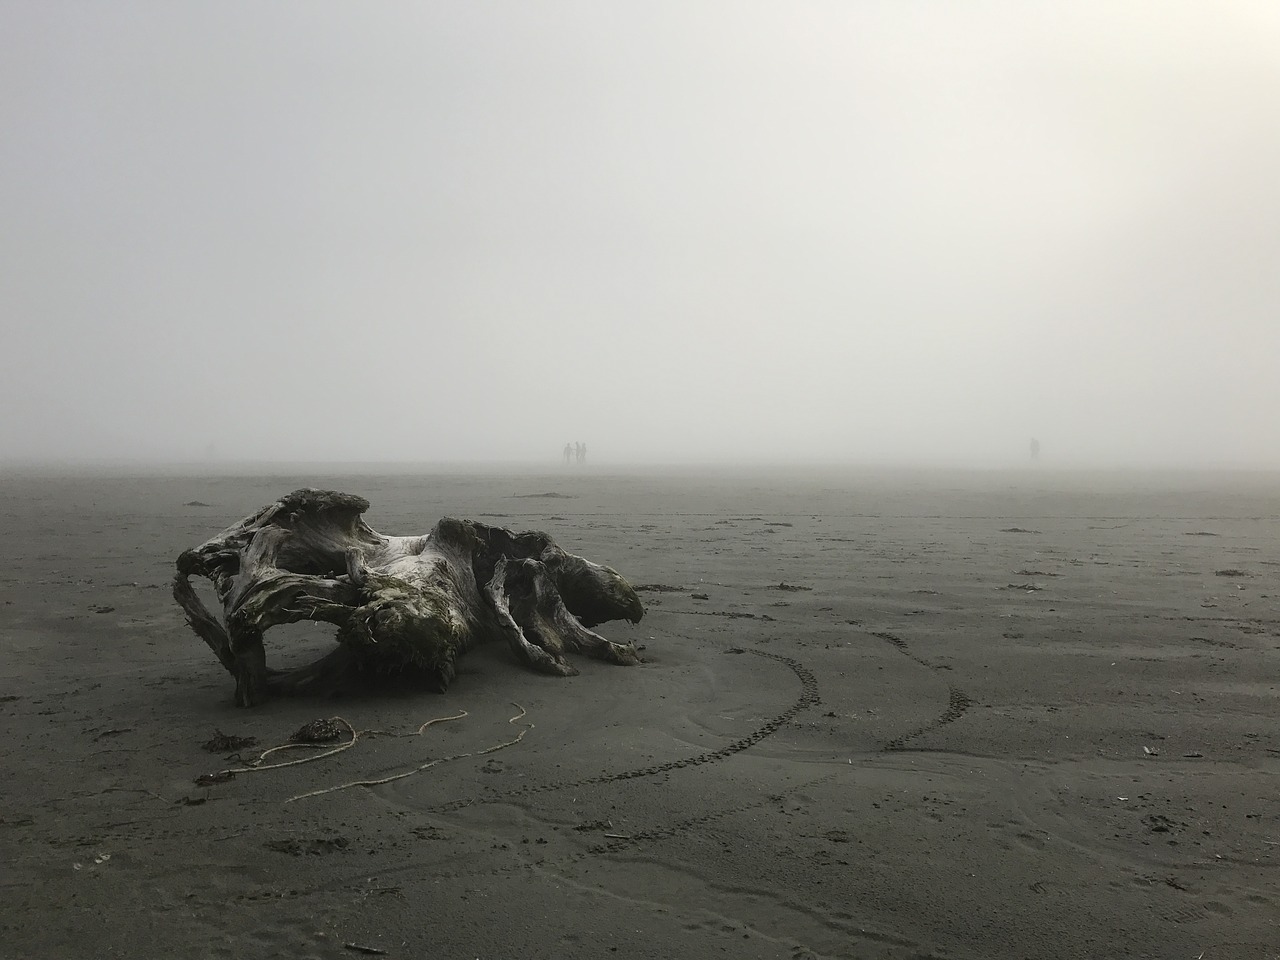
column 882, row 715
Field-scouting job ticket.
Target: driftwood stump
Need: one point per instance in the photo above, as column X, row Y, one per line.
column 398, row 602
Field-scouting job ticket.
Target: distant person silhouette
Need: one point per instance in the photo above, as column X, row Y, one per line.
column 577, row 451
column 1035, row 449
column 582, row 454
column 568, row 452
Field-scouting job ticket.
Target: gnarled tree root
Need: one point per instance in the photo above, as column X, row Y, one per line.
column 398, row 603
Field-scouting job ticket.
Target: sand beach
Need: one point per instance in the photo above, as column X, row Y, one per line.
column 882, row 715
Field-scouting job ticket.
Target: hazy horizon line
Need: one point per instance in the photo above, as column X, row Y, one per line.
column 552, row 467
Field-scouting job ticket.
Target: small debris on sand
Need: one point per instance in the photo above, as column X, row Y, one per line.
column 114, row 732
column 549, row 495
column 1230, row 572
column 738, row 615
column 318, row 846
column 1018, row 530
column 317, row 731
column 657, row 588
column 195, row 503
column 209, row 779
column 792, row 587
column 225, row 743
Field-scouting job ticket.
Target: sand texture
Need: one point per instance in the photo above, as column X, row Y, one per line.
column 882, row 716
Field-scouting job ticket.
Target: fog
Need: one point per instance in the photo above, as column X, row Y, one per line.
column 871, row 232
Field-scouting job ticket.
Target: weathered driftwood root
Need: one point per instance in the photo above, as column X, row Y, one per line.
column 398, row 602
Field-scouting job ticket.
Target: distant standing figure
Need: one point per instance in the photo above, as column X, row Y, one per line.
column 1035, row 449
column 577, row 451
column 568, row 451
column 582, row 454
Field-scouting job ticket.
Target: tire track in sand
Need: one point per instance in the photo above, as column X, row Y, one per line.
column 809, row 697
column 957, row 700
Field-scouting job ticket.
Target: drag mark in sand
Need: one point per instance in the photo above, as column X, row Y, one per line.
column 808, row 697
column 957, row 700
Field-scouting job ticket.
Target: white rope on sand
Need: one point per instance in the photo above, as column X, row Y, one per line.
column 284, row 746
column 257, row 764
column 430, row 763
column 509, row 743
column 457, row 716
column 355, row 735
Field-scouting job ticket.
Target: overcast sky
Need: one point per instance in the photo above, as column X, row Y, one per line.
column 477, row 230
